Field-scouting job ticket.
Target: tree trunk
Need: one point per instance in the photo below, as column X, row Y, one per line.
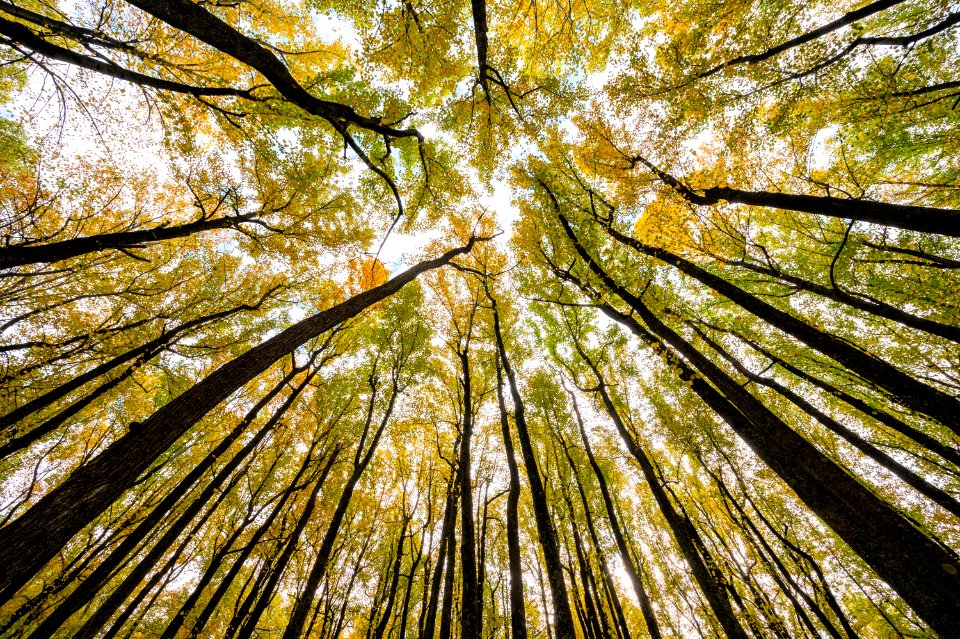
column 563, row 620
column 472, row 602
column 89, row 587
column 12, row 256
column 518, row 612
column 902, row 387
column 634, row 574
column 304, row 603
column 916, row 567
column 28, row 543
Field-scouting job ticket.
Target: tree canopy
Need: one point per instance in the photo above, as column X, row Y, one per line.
column 419, row 318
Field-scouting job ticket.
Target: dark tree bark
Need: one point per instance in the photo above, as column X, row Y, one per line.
column 845, row 20
column 934, row 493
column 304, row 602
column 922, row 572
column 446, row 606
column 858, row 301
column 11, row 256
column 518, row 612
column 244, row 625
column 905, row 389
column 779, row 571
column 924, row 219
column 33, row 539
column 141, row 353
column 385, row 617
column 633, row 572
column 704, row 568
column 563, row 619
column 228, row 579
column 107, row 607
column 89, row 586
column 885, row 418
column 472, row 601
column 405, row 606
column 445, row 550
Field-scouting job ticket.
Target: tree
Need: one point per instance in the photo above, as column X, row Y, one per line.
column 601, row 320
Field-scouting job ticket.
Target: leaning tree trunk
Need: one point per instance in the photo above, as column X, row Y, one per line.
column 902, row 387
column 922, row 572
column 89, row 587
column 28, row 543
column 633, row 573
column 694, row 550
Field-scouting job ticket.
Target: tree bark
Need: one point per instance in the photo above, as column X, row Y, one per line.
column 922, row 572
column 563, row 619
column 28, row 543
column 902, row 387
column 12, row 256
column 518, row 612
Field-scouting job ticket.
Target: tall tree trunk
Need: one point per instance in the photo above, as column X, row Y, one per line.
column 902, row 387
column 443, row 555
column 913, row 218
column 405, row 606
column 141, row 353
column 472, row 599
column 11, row 256
column 28, row 543
column 304, row 602
column 227, row 581
column 934, row 493
column 518, row 612
column 563, row 620
column 885, row 418
column 89, row 587
column 633, row 573
column 704, row 568
column 244, row 627
column 108, row 607
column 916, row 567
column 860, row 302
column 394, row 583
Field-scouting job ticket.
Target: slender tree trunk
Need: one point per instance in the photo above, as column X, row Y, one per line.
column 443, row 555
column 304, row 603
column 934, row 493
column 109, row 606
column 518, row 613
column 405, row 606
column 563, row 620
column 924, row 219
column 902, row 387
column 869, row 305
column 912, row 218
column 244, row 627
column 141, row 353
column 949, row 453
column 28, row 543
column 916, row 567
column 695, row 551
column 394, row 584
column 89, row 587
column 227, row 581
column 633, row 572
column 472, row 601
column 446, row 607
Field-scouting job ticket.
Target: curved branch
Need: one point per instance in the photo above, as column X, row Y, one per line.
column 839, row 23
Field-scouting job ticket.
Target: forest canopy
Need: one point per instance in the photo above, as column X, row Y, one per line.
column 428, row 318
